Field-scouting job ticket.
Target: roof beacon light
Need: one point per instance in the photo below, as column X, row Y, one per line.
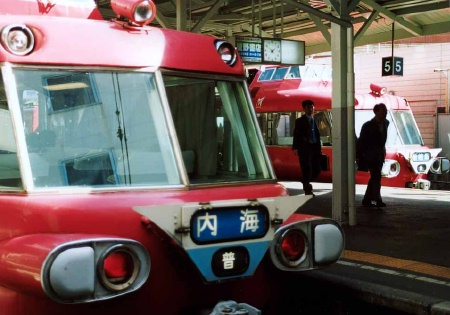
column 140, row 12
column 18, row 39
column 377, row 89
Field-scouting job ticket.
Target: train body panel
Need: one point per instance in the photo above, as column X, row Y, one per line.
column 133, row 175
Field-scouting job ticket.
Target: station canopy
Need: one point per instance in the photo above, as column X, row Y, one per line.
column 305, row 20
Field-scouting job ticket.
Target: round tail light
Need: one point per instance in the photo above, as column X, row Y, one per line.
column 293, row 247
column 118, row 268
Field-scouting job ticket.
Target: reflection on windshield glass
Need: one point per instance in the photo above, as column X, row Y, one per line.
column 215, row 131
column 9, row 162
column 108, row 129
column 95, row 129
column 407, row 127
column 402, row 128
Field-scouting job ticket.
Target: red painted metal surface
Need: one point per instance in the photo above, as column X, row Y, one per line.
column 85, row 9
column 46, row 220
column 85, row 44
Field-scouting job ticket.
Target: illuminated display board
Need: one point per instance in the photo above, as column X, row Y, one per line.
column 271, row 50
column 250, row 49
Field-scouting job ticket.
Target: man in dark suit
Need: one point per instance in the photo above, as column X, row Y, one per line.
column 371, row 149
column 307, row 146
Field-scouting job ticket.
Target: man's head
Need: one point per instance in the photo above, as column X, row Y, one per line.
column 308, row 107
column 380, row 111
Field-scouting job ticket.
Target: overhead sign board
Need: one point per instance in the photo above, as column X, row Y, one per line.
column 392, row 66
column 292, row 52
column 250, row 49
column 271, row 50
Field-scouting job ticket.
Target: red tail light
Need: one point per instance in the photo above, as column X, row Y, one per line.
column 293, row 246
column 119, row 268
column 307, row 244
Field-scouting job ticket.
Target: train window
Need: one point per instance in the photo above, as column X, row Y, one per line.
column 316, row 72
column 278, row 128
column 66, row 91
column 115, row 134
column 9, row 163
column 324, row 123
column 266, row 75
column 407, row 127
column 361, row 116
column 294, row 73
column 213, row 120
column 279, row 74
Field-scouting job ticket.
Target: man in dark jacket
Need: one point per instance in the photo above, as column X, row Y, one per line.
column 307, row 146
column 371, row 152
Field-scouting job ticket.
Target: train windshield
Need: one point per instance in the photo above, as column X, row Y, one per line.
column 402, row 128
column 215, row 126
column 407, row 127
column 112, row 129
column 93, row 129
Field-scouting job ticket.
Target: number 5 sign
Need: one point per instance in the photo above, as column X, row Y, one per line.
column 392, row 66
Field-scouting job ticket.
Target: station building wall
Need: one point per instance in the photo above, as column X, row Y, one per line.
column 424, row 88
column 421, row 84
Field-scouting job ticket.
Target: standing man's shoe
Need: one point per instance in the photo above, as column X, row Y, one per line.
column 380, row 204
column 367, row 203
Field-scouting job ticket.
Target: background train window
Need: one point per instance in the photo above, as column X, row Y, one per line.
column 70, row 90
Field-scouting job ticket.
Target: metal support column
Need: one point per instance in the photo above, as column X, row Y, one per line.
column 181, row 15
column 343, row 109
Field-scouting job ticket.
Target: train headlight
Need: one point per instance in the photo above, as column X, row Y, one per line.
column 141, row 12
column 227, row 52
column 18, row 39
column 421, row 156
column 391, row 168
column 421, row 168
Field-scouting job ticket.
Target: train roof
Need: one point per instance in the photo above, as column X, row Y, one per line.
column 69, row 41
column 86, row 9
column 287, row 94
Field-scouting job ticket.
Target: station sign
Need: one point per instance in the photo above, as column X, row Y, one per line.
column 250, row 49
column 227, row 224
column 392, row 66
column 271, row 50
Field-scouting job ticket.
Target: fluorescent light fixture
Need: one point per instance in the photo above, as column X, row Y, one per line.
column 66, row 86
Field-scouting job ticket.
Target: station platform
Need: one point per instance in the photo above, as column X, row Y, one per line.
column 396, row 258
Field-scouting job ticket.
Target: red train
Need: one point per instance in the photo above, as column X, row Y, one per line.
column 133, row 175
column 277, row 93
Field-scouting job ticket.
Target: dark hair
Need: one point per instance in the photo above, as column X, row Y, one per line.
column 307, row 103
column 377, row 107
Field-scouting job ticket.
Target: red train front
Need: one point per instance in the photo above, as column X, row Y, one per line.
column 277, row 94
column 133, row 176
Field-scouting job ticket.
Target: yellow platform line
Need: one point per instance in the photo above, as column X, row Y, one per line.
column 386, row 261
